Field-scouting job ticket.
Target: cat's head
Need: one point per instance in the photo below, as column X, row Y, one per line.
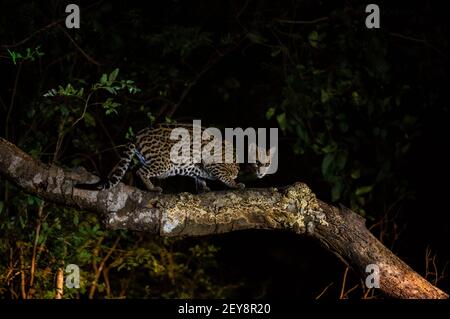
column 262, row 160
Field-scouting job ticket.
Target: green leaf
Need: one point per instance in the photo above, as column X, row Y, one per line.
column 326, row 164
column 110, row 90
column 85, row 256
column 341, row 159
column 313, row 39
column 129, row 134
column 281, row 119
column 104, row 79
column 113, row 75
column 343, row 126
column 330, row 148
column 302, row 133
column 336, row 191
column 324, row 96
column 76, row 219
column 1, row 206
column 89, row 120
column 111, row 111
column 409, row 120
column 275, row 52
column 297, row 149
column 256, row 38
column 356, row 98
column 151, row 117
column 356, row 173
column 31, row 200
column 64, row 110
column 270, row 113
column 22, row 222
column 363, row 190
column 13, row 56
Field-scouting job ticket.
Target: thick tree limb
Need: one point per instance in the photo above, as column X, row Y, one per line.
column 293, row 208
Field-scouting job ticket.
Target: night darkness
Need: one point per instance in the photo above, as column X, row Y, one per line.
column 362, row 117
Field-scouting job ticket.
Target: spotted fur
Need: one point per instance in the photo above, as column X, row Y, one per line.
column 152, row 148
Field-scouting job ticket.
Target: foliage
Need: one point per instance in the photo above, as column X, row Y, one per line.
column 332, row 101
column 29, row 55
column 81, row 240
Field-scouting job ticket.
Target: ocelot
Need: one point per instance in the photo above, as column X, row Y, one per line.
column 152, row 146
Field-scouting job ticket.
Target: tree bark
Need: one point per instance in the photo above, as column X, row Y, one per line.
column 293, row 208
column 59, row 286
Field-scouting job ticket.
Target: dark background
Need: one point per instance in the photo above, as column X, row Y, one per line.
column 363, row 118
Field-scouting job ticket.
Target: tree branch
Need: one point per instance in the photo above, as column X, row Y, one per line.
column 294, row 208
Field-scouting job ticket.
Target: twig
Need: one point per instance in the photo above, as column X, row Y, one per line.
column 106, row 280
column 48, row 26
column 350, row 290
column 96, row 251
column 100, row 268
column 22, row 274
column 204, row 70
column 36, row 240
column 241, row 11
column 7, row 46
column 123, row 287
column 59, row 141
column 344, row 280
column 89, row 58
column 426, row 43
column 302, row 21
column 366, row 294
column 86, row 105
column 59, row 283
column 324, row 290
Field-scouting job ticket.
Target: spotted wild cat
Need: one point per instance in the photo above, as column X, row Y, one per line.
column 152, row 147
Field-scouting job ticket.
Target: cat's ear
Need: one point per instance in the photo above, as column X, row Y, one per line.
column 252, row 156
column 252, row 148
column 271, row 152
column 264, row 156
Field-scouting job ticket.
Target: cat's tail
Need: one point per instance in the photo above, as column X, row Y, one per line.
column 117, row 172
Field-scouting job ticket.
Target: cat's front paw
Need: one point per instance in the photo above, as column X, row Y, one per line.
column 156, row 189
column 240, row 185
column 204, row 189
